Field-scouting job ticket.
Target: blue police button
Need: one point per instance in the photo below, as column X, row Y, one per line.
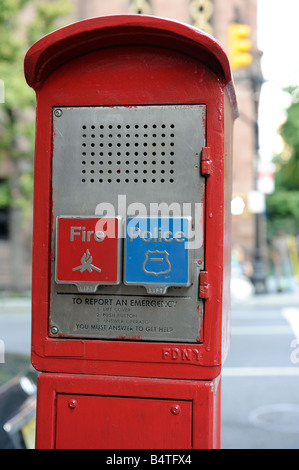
column 157, row 253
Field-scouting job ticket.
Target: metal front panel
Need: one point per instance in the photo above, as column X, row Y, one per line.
column 129, row 161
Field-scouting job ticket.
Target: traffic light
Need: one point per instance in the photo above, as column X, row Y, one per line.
column 239, row 45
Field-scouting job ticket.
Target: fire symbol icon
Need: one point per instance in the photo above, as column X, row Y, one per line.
column 86, row 265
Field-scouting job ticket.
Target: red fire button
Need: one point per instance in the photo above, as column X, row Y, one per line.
column 87, row 251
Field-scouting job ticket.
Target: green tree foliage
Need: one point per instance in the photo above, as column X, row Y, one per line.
column 283, row 205
column 287, row 175
column 283, row 212
column 22, row 22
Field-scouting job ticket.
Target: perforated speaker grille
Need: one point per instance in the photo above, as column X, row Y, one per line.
column 128, row 153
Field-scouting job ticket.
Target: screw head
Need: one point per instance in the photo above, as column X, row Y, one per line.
column 54, row 330
column 58, row 112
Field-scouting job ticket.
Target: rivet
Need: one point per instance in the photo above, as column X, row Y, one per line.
column 175, row 409
column 73, row 404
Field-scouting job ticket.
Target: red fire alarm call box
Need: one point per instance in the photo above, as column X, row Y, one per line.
column 131, row 251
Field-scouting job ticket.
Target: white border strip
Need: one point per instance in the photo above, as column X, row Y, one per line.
column 260, row 371
column 262, row 330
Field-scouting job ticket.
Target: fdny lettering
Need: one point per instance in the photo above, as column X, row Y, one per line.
column 156, row 235
column 176, row 354
column 85, row 235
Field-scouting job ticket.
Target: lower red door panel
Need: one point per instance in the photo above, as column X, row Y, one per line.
column 77, row 411
column 93, row 422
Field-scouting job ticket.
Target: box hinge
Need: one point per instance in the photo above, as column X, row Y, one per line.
column 206, row 163
column 204, row 286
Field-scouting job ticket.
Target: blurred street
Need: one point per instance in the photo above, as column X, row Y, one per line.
column 15, row 325
column 260, row 384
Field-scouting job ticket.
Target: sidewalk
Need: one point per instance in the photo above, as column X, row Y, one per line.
column 249, row 299
column 15, row 305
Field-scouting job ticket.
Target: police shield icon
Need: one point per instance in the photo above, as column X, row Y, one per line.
column 156, row 262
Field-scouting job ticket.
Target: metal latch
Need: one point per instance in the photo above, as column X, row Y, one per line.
column 204, row 286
